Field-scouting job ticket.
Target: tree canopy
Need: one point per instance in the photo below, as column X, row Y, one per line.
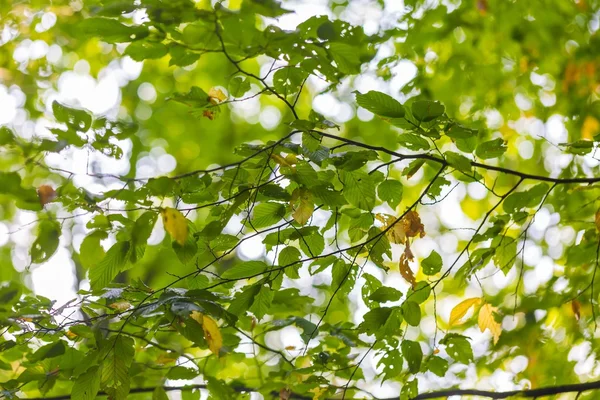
column 250, row 199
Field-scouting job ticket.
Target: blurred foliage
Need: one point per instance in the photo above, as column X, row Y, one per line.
column 253, row 204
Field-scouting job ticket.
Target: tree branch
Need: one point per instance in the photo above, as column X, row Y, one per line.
column 237, row 388
column 531, row 393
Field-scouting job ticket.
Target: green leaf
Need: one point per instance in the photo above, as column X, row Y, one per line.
column 238, row 86
column 411, row 312
column 262, row 302
column 111, row 31
column 246, row 269
column 491, row 149
column 10, row 293
column 267, row 214
column 438, row 366
column 181, row 57
column 380, row 104
column 102, row 274
column 143, row 49
column 432, row 264
column 413, row 142
column 345, row 56
column 390, row 191
column 243, row 300
column 506, row 252
column 118, row 357
column 50, row 350
column 436, row 187
column 457, row 131
column 384, row 294
column 78, row 120
column 6, row 136
column 375, row 319
column 87, row 385
column 413, row 354
column 289, row 255
column 426, row 110
column 458, row 161
column 419, row 293
column 359, row 189
column 159, row 394
column 529, row 198
column 458, row 347
column 196, row 97
column 288, row 80
column 179, row 372
column 47, row 241
column 312, row 245
column 410, row 390
column 142, row 228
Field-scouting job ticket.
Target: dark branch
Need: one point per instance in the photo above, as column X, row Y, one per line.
column 531, row 393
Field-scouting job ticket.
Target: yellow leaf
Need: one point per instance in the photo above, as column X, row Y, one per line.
column 212, row 333
column 486, row 321
column 302, row 205
column 461, row 309
column 280, row 160
column 176, row 224
column 597, row 219
column 319, row 392
column 120, row 305
column 406, row 272
column 216, row 96
column 590, row 128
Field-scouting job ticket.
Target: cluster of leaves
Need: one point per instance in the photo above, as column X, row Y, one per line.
column 318, row 201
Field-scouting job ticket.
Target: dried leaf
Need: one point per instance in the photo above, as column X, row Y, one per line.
column 46, row 193
column 285, row 394
column 461, row 309
column 406, row 272
column 395, row 233
column 576, row 307
column 412, row 225
column 486, row 321
column 216, row 96
column 176, row 224
column 208, row 114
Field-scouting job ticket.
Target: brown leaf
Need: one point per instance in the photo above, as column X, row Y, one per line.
column 46, row 193
column 285, row 394
column 576, row 307
column 597, row 219
column 406, row 272
column 412, row 225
